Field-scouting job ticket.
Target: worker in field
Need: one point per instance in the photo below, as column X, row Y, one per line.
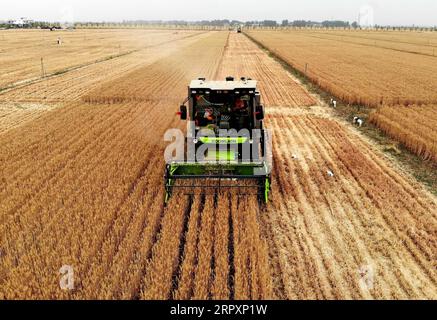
column 59, row 41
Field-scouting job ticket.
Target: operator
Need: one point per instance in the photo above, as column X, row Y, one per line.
column 240, row 118
column 209, row 114
column 239, row 105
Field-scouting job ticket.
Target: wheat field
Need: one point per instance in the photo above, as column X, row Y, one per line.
column 81, row 185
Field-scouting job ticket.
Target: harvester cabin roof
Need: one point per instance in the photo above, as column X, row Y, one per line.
column 223, row 85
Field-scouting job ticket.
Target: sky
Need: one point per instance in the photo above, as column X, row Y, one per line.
column 382, row 12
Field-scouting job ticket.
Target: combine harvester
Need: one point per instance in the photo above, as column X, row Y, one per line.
column 225, row 132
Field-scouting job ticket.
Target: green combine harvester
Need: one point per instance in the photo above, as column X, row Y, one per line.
column 226, row 145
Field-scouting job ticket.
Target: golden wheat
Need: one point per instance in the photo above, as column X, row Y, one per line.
column 413, row 126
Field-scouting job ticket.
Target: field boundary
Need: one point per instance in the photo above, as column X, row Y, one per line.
column 423, row 171
column 27, row 82
column 376, row 46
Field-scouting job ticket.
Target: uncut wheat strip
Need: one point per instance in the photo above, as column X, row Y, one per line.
column 122, row 245
column 384, row 37
column 261, row 282
column 71, row 226
column 111, row 249
column 44, row 127
column 241, row 254
column 408, row 121
column 412, row 141
column 134, row 117
column 151, row 180
column 191, row 252
column 125, row 278
column 86, row 162
column 203, row 271
column 421, row 141
column 134, row 275
column 165, row 259
column 376, row 43
column 24, row 151
column 121, row 252
column 50, row 170
column 37, row 219
column 220, row 286
column 66, row 177
column 165, row 70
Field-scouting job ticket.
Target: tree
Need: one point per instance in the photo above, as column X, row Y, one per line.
column 354, row 25
column 285, row 23
column 269, row 23
column 335, row 24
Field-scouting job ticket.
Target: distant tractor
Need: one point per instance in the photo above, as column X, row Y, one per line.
column 226, row 127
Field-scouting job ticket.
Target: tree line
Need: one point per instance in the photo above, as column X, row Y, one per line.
column 223, row 23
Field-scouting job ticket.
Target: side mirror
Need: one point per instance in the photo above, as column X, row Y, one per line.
column 183, row 112
column 259, row 113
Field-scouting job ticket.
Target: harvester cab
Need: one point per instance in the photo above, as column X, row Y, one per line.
column 226, row 146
